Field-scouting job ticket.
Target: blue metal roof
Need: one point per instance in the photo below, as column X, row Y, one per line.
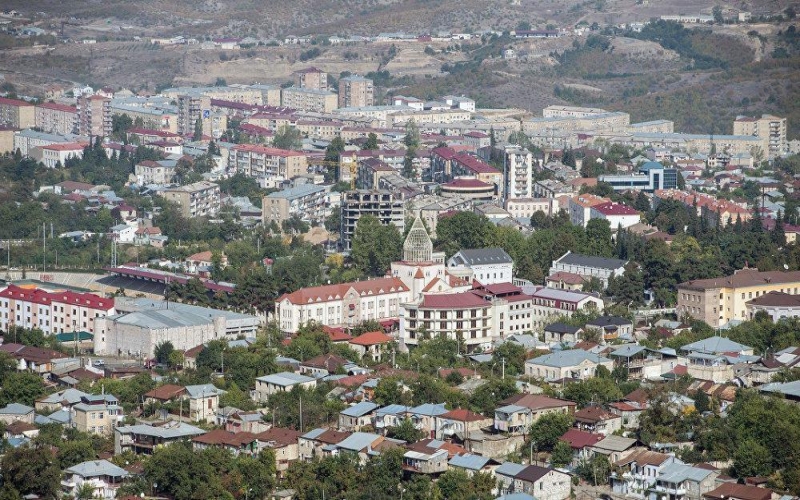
column 360, row 409
column 468, row 461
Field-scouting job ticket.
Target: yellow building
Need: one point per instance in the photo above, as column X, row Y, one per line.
column 97, row 414
column 720, row 300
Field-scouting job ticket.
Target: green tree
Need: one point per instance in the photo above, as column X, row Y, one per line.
column 597, row 390
column 22, row 387
column 32, row 470
column 752, row 459
column 561, row 455
column 390, row 391
column 455, row 483
column 702, row 403
column 375, row 246
column 463, row 230
column 628, row 289
column 198, row 130
column 163, row 351
column 120, row 124
column 595, row 470
column 514, row 356
column 371, row 142
column 406, row 431
column 288, row 137
column 550, row 426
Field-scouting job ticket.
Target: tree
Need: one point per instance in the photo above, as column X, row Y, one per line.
column 716, row 11
column 463, row 230
column 514, row 356
column 702, row 403
column 32, row 470
column 561, row 455
column 120, row 125
column 406, row 431
column 390, row 391
column 487, row 397
column 371, row 142
column 752, row 459
column 597, row 390
column 163, row 351
column 455, row 483
column 22, row 387
column 288, row 137
column 595, row 470
column 628, row 289
column 550, row 426
column 375, row 246
column 334, row 149
column 198, row 130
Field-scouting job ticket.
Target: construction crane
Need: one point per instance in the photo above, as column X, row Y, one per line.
column 352, row 167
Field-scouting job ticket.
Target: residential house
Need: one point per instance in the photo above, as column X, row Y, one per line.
column 581, row 443
column 610, row 328
column 615, row 447
column 101, row 476
column 597, row 420
column 542, row 482
column 430, row 456
column 641, row 470
column 59, row 400
column 589, row 267
column 561, row 333
column 312, row 444
column 164, row 394
column 570, row 364
column 734, row 491
column 97, row 414
column 284, row 442
column 472, row 464
column 684, row 482
column 246, row 421
column 323, row 365
column 357, row 416
column 505, row 474
column 371, row 344
column 424, row 417
column 14, row 412
column 485, row 265
column 240, row 443
column 361, row 444
column 203, row 401
column 639, row 362
column 280, row 382
column 459, row 422
column 144, row 438
column 389, row 416
column 520, row 411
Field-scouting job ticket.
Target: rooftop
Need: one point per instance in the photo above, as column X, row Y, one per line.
column 576, row 259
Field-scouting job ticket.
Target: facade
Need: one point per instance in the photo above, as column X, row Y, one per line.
column 387, row 206
column 17, row 114
column 196, row 105
column 308, row 99
column 720, row 300
column 543, row 483
column 370, row 171
column 308, row 201
column 268, row 385
column 143, row 323
column 485, row 265
column 311, row 78
column 588, row 266
column 154, row 172
column 356, row 91
column 53, row 312
column 56, row 155
column 548, row 304
column 520, row 411
column 777, row 305
column 56, row 118
column 203, row 402
column 269, row 165
column 617, row 215
column 462, row 316
column 570, row 364
column 518, row 171
column 580, row 208
column 526, row 207
column 357, row 416
column 97, row 414
column 642, row 470
column 652, row 176
column 103, row 477
column 144, row 438
column 200, row 199
column 94, row 116
column 345, row 304
column 770, row 129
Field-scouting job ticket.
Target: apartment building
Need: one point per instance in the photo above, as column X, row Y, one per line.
column 309, row 99
column 617, row 214
column 428, row 116
column 345, row 304
column 200, row 199
column 255, row 95
column 16, row 113
column 316, row 129
column 580, row 208
column 356, row 91
column 154, row 172
column 518, row 172
column 269, row 165
column 52, row 312
column 56, row 155
column 97, row 414
column 714, row 211
column 720, row 300
column 370, row 172
column 526, row 207
column 151, row 117
column 589, row 266
column 94, row 116
column 197, row 106
column 311, row 78
column 770, row 129
column 308, row 201
column 548, row 304
column 387, row 206
column 56, row 118
column 555, row 111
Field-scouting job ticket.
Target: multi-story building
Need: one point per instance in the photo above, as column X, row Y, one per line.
column 16, row 113
column 387, row 206
column 580, row 208
column 144, row 438
column 370, row 171
column 308, row 201
column 485, row 265
column 154, row 172
column 551, row 188
column 720, row 300
column 97, row 414
column 518, row 166
column 309, row 99
column 346, row 304
column 196, row 106
column 268, row 165
column 770, row 129
column 94, row 116
column 526, row 207
column 549, row 304
column 589, row 266
column 317, row 129
column 652, row 176
column 311, row 78
column 465, row 317
column 618, row 215
column 56, row 118
column 55, row 155
column 52, row 312
column 356, row 91
column 152, row 117
column 200, row 199
column 568, row 364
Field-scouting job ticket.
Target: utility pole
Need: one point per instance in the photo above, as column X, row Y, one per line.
column 504, row 368
column 301, row 413
column 44, row 246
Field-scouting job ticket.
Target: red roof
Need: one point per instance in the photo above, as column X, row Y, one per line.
column 39, row 296
column 58, row 107
column 13, row 102
column 327, row 293
column 464, row 300
column 251, row 129
column 474, row 165
column 69, row 146
column 337, row 334
column 252, row 148
column 371, row 338
column 611, row 208
column 148, row 131
column 467, row 183
column 578, row 439
column 463, row 415
column 568, row 278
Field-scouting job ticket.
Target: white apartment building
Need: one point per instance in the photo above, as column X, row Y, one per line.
column 345, row 304
column 526, row 207
column 200, row 199
column 52, row 312
column 518, row 172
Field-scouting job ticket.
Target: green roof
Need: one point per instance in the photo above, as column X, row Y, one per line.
column 70, row 336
